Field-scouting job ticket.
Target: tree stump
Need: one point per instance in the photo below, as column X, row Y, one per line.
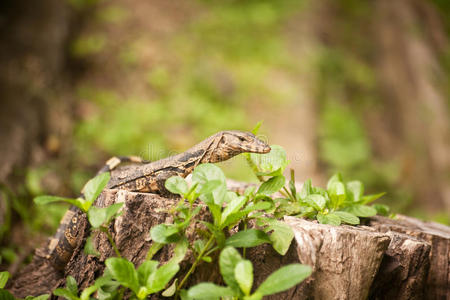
column 390, row 259
column 345, row 259
column 437, row 236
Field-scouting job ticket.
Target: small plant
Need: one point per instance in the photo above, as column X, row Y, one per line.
column 238, row 275
column 91, row 190
column 228, row 210
column 340, row 202
column 255, row 213
column 98, row 217
column 143, row 281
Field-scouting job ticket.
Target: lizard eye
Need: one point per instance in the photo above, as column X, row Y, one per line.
column 241, row 139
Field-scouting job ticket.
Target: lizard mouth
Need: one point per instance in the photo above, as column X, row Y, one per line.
column 266, row 149
column 261, row 148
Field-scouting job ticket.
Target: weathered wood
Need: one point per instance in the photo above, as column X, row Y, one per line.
column 403, row 271
column 345, row 259
column 348, row 262
column 438, row 236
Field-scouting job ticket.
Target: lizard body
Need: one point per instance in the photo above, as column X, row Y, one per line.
column 150, row 178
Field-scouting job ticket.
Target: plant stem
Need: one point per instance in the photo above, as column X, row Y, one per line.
column 111, row 240
column 254, row 167
column 197, row 260
column 287, row 193
column 243, row 249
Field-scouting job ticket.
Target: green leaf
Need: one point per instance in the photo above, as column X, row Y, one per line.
column 88, row 291
column 347, row 217
column 205, row 173
column 65, row 293
column 199, row 245
column 284, row 278
column 272, row 185
column 40, row 297
column 382, row 209
column 355, row 190
column 292, row 187
column 177, row 185
column 89, row 247
column 261, row 205
column 306, row 189
column 5, row 295
column 321, row 191
column 4, row 278
column 208, row 259
column 243, row 272
column 281, row 237
column 250, row 191
column 209, row 291
column 42, row 200
column 337, row 193
column 335, row 178
column 184, row 295
column 216, row 212
column 165, row 233
column 95, row 186
column 254, row 296
column 316, row 201
column 171, row 290
column 71, row 285
column 330, row 219
column 273, row 162
column 362, row 210
column 247, row 238
column 256, row 128
column 107, row 288
column 228, row 260
column 236, row 203
column 180, row 251
column 161, row 277
column 370, row 198
column 237, row 216
column 154, row 248
column 209, row 187
column 217, row 232
column 102, row 215
column 124, row 272
column 145, row 269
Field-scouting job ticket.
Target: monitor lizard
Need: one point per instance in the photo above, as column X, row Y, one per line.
column 149, row 177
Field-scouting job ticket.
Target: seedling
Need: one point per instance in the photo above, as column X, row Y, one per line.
column 237, row 273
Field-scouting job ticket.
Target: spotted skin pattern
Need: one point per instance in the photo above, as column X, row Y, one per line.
column 62, row 244
column 150, row 178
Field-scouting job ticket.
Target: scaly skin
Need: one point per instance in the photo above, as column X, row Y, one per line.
column 150, row 178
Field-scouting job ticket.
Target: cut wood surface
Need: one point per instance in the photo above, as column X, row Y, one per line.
column 390, row 259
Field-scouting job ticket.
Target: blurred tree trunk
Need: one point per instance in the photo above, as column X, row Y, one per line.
column 34, row 112
column 407, row 118
column 410, row 40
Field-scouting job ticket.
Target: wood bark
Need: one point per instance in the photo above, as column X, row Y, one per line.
column 438, row 237
column 390, row 259
column 345, row 259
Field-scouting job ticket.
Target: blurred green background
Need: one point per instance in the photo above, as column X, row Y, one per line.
column 359, row 87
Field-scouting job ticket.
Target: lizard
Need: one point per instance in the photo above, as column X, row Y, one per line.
column 150, row 178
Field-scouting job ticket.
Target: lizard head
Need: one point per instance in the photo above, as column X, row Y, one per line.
column 233, row 142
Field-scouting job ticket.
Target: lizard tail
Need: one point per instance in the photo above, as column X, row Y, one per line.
column 61, row 246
